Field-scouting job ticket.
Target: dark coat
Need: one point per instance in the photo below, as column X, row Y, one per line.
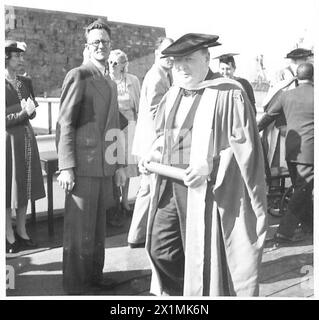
column 298, row 107
column 88, row 113
column 17, row 120
column 249, row 90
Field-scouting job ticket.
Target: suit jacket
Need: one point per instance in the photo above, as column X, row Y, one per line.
column 298, row 107
column 88, row 113
column 154, row 87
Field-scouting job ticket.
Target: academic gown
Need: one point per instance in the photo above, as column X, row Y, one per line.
column 225, row 142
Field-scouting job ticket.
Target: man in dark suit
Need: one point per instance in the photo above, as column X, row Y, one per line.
column 298, row 107
column 86, row 126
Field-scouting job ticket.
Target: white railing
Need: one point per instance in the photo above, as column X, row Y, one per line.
column 47, row 115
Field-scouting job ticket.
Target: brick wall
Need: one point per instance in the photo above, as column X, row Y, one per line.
column 55, row 43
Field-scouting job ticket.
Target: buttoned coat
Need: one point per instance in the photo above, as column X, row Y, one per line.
column 88, row 123
column 297, row 105
column 16, row 122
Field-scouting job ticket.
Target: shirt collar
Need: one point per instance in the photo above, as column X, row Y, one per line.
column 102, row 69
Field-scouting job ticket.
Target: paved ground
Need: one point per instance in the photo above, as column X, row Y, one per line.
column 286, row 270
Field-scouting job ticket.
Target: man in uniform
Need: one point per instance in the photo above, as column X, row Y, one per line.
column 206, row 231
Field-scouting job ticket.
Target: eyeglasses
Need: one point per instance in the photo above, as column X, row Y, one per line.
column 96, row 43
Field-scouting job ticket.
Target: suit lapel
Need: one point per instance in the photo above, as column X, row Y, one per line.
column 98, row 80
column 164, row 77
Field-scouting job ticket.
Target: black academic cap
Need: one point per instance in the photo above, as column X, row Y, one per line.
column 12, row 46
column 190, row 43
column 299, row 53
column 227, row 57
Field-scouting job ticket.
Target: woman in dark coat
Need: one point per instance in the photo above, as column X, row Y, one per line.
column 24, row 180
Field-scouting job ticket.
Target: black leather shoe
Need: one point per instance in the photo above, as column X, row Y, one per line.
column 12, row 247
column 136, row 245
column 25, row 243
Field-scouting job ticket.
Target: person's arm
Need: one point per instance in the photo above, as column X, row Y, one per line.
column 32, row 96
column 154, row 94
column 137, row 92
column 155, row 153
column 274, row 110
column 13, row 119
column 19, row 117
column 70, row 103
column 245, row 144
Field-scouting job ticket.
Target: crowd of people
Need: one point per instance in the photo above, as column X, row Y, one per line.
column 192, row 135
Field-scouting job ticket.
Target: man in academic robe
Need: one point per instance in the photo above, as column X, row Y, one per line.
column 205, row 231
column 227, row 67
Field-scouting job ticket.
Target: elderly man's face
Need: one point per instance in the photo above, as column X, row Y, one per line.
column 191, row 69
column 98, row 44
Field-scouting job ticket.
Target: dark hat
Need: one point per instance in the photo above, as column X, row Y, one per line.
column 227, row 57
column 299, row 53
column 190, row 43
column 13, row 46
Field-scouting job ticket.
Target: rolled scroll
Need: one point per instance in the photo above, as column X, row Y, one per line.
column 164, row 170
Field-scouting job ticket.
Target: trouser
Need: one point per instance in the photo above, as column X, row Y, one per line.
column 168, row 229
column 300, row 206
column 84, row 232
column 137, row 232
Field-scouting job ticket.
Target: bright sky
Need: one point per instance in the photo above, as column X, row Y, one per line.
column 248, row 27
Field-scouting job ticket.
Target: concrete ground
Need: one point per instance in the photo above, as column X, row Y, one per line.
column 287, row 271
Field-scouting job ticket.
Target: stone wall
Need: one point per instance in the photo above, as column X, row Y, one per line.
column 55, row 42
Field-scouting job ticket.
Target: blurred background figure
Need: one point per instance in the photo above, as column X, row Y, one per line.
column 156, row 83
column 128, row 89
column 86, row 55
column 24, row 180
column 227, row 68
column 273, row 137
column 297, row 105
column 297, row 57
